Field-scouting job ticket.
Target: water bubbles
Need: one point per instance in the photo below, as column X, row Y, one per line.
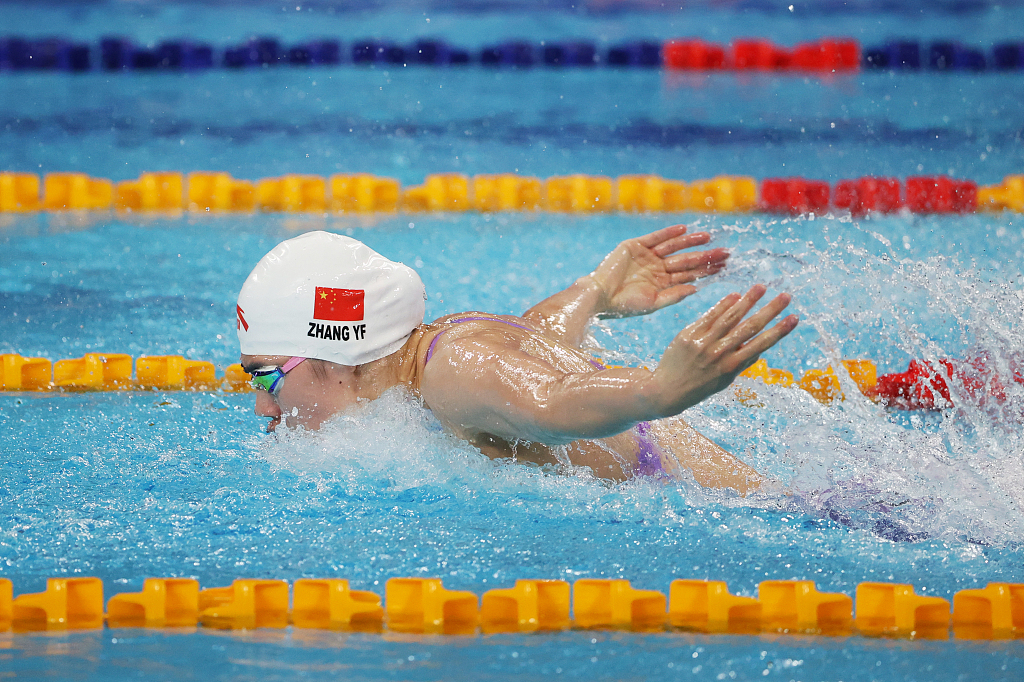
column 392, row 440
column 904, row 476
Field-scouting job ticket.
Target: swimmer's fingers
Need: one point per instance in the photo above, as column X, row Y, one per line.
column 747, row 338
column 685, row 241
column 706, row 356
column 727, row 322
column 650, row 241
column 690, row 266
column 695, row 274
column 703, row 324
column 749, row 353
column 673, row 295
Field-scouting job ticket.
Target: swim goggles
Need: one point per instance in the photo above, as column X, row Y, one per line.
column 270, row 379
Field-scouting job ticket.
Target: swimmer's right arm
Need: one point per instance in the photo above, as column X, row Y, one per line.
column 639, row 276
column 479, row 386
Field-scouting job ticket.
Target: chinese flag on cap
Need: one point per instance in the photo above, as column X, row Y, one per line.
column 338, row 305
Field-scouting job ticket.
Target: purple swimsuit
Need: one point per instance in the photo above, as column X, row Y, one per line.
column 647, row 455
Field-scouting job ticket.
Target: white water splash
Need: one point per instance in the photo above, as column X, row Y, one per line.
column 958, row 473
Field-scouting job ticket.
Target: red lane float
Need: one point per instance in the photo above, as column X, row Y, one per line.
column 931, row 194
column 925, row 385
column 868, row 195
column 757, row 54
column 795, row 196
column 693, row 55
column 941, row 194
column 828, row 54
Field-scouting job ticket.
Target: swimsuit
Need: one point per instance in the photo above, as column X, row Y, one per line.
column 648, row 458
column 647, row 455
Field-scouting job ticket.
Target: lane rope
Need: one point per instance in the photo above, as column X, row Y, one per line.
column 424, row 605
column 924, row 385
column 173, row 192
column 828, row 55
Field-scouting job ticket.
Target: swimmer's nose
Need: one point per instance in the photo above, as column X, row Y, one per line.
column 266, row 406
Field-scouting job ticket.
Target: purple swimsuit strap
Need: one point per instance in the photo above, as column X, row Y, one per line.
column 647, row 455
column 433, row 342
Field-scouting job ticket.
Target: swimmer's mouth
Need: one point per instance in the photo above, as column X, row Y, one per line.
column 272, row 424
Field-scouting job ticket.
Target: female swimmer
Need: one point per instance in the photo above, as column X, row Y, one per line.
column 325, row 322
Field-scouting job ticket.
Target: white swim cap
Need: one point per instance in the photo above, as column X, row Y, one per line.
column 330, row 297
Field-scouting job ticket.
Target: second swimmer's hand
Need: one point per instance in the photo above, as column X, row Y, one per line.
column 646, row 273
column 707, row 355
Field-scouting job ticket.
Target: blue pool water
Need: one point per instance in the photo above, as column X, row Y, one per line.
column 129, row 485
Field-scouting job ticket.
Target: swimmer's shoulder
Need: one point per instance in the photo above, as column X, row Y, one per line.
column 431, row 337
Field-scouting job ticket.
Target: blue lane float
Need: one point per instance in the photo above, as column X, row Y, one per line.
column 49, row 54
column 315, row 53
column 517, row 53
column 571, row 54
column 374, row 52
column 641, row 53
column 943, row 55
column 120, row 54
column 1008, row 56
column 437, row 53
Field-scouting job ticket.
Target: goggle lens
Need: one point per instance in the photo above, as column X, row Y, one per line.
column 267, row 379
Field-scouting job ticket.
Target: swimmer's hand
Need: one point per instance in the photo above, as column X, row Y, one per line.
column 646, row 273
column 707, row 355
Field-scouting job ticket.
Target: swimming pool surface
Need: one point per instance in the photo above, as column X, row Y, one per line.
column 125, row 486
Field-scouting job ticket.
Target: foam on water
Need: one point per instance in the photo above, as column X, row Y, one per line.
column 958, row 473
column 395, row 444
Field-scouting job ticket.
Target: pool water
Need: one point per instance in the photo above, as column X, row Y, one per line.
column 125, row 486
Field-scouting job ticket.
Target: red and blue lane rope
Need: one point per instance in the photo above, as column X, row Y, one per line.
column 825, row 55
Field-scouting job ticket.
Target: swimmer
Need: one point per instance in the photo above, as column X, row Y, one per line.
column 325, row 322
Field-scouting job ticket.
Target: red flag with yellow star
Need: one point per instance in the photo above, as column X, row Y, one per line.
column 338, row 305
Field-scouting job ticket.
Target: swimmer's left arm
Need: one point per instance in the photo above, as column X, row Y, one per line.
column 640, row 276
column 481, row 384
column 478, row 386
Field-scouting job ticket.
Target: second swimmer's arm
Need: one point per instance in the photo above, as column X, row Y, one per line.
column 640, row 276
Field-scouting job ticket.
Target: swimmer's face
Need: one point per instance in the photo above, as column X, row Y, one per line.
column 304, row 399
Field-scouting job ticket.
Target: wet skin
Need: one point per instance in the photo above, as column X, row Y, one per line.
column 525, row 392
column 308, row 400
